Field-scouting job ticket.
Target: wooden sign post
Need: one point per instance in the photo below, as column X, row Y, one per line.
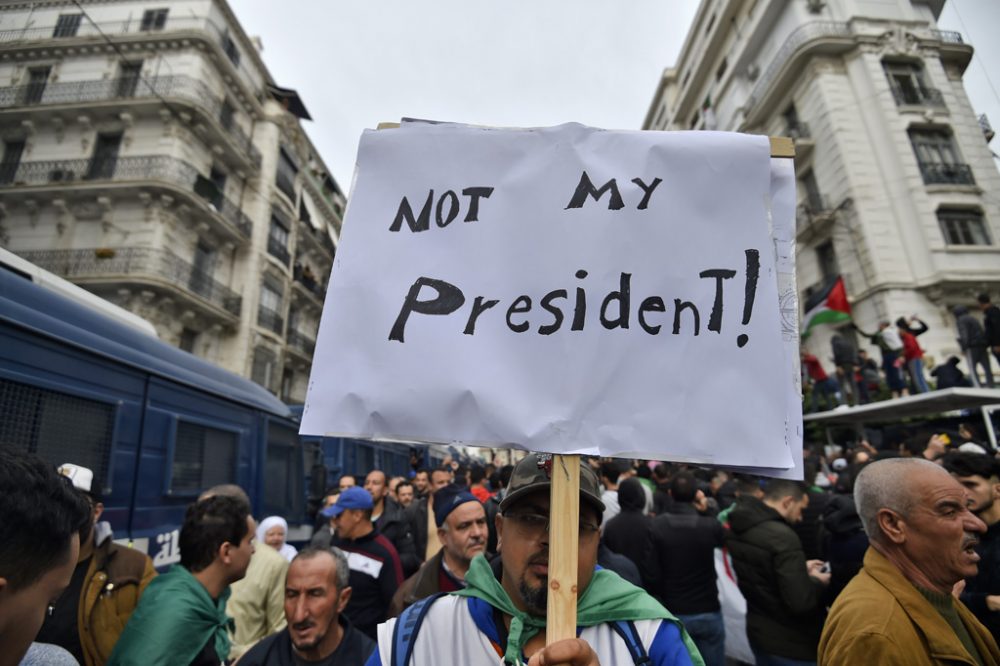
column 564, row 538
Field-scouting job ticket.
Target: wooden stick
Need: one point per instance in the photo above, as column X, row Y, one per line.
column 564, row 537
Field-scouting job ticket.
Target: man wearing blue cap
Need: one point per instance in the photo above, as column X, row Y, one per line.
column 462, row 530
column 376, row 572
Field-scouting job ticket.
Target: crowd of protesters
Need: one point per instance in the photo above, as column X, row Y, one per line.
column 858, row 379
column 883, row 555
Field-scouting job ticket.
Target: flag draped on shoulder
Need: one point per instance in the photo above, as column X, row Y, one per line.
column 826, row 306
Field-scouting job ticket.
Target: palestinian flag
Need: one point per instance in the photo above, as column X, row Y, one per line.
column 827, row 306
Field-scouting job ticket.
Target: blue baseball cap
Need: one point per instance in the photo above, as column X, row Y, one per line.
column 354, row 497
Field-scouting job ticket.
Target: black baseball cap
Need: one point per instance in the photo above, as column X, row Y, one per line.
column 534, row 472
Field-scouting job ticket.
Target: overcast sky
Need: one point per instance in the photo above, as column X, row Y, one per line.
column 517, row 63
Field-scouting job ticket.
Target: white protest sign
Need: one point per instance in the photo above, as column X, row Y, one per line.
column 567, row 290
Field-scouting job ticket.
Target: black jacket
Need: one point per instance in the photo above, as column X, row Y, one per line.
column 417, row 515
column 846, row 543
column 784, row 605
column 679, row 569
column 395, row 526
column 991, row 326
column 987, row 581
column 628, row 533
column 276, row 649
column 375, row 576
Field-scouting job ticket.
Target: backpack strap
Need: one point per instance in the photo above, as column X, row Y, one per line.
column 405, row 632
column 626, row 629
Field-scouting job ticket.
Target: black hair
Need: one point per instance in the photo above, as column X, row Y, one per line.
column 961, row 463
column 477, row 474
column 778, row 489
column 631, row 496
column 423, row 470
column 41, row 512
column 914, row 446
column 443, row 468
column 746, row 484
column 610, row 471
column 661, row 472
column 332, row 490
column 983, row 298
column 683, row 488
column 402, row 483
column 505, row 473
column 644, row 472
column 208, row 524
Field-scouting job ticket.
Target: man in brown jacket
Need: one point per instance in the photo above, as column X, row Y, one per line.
column 899, row 609
column 92, row 612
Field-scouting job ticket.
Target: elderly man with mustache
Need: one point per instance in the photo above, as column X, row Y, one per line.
column 900, row 608
column 462, row 530
column 316, row 592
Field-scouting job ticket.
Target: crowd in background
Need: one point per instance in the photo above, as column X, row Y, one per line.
column 692, row 537
column 857, row 379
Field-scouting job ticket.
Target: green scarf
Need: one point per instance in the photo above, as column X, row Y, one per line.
column 608, row 598
column 173, row 622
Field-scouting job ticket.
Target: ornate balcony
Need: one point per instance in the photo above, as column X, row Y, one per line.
column 277, row 249
column 947, row 36
column 220, row 36
column 143, row 265
column 802, row 38
column 177, row 87
column 271, row 320
column 301, row 343
column 176, row 172
column 947, row 174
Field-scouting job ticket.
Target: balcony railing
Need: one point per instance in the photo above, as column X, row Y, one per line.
column 947, row 36
column 947, row 174
column 277, row 249
column 918, row 97
column 285, row 180
column 804, row 33
column 299, row 341
column 333, row 210
column 140, row 262
column 308, row 281
column 144, row 167
column 82, row 92
column 269, row 319
column 174, row 23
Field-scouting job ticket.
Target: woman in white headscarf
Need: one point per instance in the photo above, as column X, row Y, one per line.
column 272, row 531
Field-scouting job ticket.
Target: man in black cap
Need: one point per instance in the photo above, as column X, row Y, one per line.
column 502, row 610
column 461, row 521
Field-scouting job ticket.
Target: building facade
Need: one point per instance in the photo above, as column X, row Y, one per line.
column 148, row 157
column 897, row 187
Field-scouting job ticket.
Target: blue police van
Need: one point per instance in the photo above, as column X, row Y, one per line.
column 156, row 425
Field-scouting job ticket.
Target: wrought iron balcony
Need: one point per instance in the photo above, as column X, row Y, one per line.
column 947, row 36
column 277, row 249
column 220, row 35
column 138, row 262
column 269, row 319
column 301, row 342
column 145, row 167
column 285, row 180
column 918, row 97
column 82, row 92
column 947, row 174
column 814, row 30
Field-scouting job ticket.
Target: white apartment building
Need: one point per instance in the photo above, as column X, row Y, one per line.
column 148, row 157
column 898, row 190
